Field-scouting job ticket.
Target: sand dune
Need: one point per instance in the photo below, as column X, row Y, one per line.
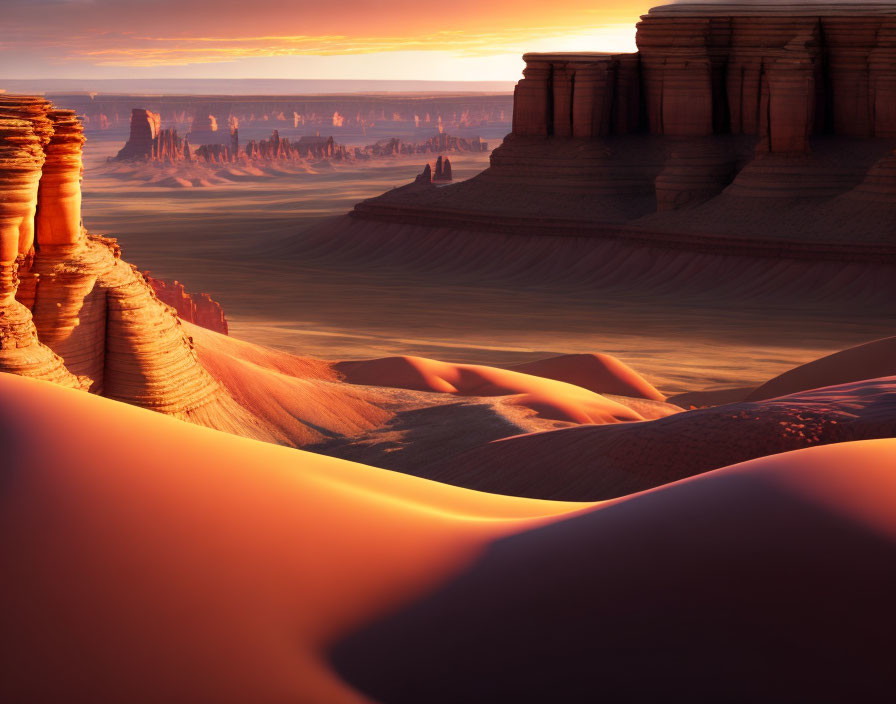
column 294, row 401
column 555, row 400
column 603, row 462
column 711, row 397
column 769, row 581
column 157, row 561
column 152, row 560
column 600, row 373
column 868, row 361
column 401, row 413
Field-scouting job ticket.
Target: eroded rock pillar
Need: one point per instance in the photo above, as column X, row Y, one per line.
column 58, row 221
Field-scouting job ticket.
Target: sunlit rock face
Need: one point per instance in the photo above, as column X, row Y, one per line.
column 58, row 221
column 25, row 132
column 71, row 311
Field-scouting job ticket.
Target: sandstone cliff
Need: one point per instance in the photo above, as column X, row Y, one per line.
column 734, row 124
column 71, row 310
column 436, row 144
column 197, row 308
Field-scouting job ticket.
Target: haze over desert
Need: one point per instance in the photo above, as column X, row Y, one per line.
column 374, row 353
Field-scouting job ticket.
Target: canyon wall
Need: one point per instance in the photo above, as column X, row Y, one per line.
column 779, row 72
column 732, row 123
column 147, row 141
column 71, row 310
column 198, row 308
column 348, row 111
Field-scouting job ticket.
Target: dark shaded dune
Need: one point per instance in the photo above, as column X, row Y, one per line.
column 605, row 462
column 770, row 581
column 668, row 275
column 711, row 397
column 869, row 361
column 152, row 560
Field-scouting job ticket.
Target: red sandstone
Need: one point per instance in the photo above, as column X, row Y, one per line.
column 198, row 308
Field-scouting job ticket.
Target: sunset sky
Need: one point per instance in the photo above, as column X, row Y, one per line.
column 384, row 39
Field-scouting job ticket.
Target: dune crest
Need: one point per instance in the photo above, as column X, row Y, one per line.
column 189, row 565
column 868, row 361
column 552, row 399
column 774, row 576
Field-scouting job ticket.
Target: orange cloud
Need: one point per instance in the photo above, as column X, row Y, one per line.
column 108, row 37
column 150, row 51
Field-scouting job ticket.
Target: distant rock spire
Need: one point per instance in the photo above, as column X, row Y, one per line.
column 425, row 176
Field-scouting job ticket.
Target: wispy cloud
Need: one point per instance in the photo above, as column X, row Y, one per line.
column 125, row 49
column 144, row 34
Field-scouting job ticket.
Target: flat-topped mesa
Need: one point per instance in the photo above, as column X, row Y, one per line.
column 577, row 95
column 781, row 73
column 144, row 131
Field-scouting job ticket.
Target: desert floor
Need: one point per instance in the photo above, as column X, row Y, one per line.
column 229, row 241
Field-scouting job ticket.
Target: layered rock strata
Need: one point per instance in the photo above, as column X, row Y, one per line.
column 781, row 73
column 739, row 122
column 71, row 311
column 198, row 308
column 25, row 132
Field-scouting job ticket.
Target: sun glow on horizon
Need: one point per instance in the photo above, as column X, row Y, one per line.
column 473, row 43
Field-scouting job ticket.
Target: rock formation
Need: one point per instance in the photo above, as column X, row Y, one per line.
column 197, row 308
column 434, row 145
column 354, row 112
column 308, row 147
column 776, row 121
column 148, row 141
column 442, row 171
column 425, row 176
column 25, row 132
column 71, row 311
column 781, row 73
column 205, row 128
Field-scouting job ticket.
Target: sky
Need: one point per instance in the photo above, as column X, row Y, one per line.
column 479, row 40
